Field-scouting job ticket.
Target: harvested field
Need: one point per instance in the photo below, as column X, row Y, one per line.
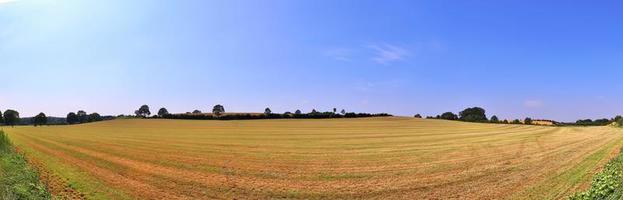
column 366, row 158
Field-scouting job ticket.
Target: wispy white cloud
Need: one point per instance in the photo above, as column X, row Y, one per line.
column 341, row 54
column 6, row 1
column 533, row 104
column 387, row 53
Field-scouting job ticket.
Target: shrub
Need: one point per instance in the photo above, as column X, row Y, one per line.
column 606, row 184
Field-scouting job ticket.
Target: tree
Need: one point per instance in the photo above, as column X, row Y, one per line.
column 475, row 114
column 494, row 119
column 162, row 112
column 601, row 122
column 334, row 110
column 218, row 110
column 417, row 116
column 143, row 111
column 619, row 120
column 505, row 121
column 298, row 112
column 40, row 119
column 82, row 116
column 267, row 111
column 516, row 121
column 196, row 111
column 11, row 117
column 72, row 118
column 95, row 117
column 449, row 116
column 314, row 111
column 1, row 118
column 528, row 120
column 343, row 112
column 584, row 122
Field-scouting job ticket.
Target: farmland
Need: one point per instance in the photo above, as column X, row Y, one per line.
column 366, row 158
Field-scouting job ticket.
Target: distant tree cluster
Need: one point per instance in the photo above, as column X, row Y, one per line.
column 475, row 114
column 449, row 116
column 82, row 117
column 590, row 122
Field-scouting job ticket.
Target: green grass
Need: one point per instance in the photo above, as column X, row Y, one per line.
column 17, row 179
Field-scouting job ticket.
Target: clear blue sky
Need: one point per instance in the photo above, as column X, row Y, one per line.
column 560, row 60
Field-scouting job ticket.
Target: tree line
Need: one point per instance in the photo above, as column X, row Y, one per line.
column 478, row 114
column 12, row 117
column 218, row 113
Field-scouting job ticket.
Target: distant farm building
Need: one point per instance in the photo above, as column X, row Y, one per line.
column 544, row 122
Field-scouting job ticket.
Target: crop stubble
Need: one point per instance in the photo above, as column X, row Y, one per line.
column 371, row 158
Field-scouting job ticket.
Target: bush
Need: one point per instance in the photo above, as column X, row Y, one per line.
column 606, row 184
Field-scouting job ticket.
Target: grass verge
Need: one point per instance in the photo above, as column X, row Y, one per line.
column 17, row 179
column 607, row 184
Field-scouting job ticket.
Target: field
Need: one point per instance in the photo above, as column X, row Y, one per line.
column 366, row 158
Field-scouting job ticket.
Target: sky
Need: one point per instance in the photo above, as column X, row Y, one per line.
column 560, row 60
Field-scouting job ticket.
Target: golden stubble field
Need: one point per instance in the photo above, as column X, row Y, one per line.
column 367, row 158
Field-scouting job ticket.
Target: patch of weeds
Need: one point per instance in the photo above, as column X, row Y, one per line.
column 17, row 179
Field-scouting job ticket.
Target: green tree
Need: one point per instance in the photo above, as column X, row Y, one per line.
column 72, row 118
column 1, row 118
column 494, row 119
column 334, row 110
column 143, row 111
column 196, row 111
column 218, row 110
column 11, row 117
column 298, row 112
column 449, row 116
column 95, row 117
column 40, row 119
column 528, row 120
column 162, row 112
column 343, row 112
column 267, row 111
column 82, row 116
column 417, row 116
column 516, row 121
column 475, row 114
